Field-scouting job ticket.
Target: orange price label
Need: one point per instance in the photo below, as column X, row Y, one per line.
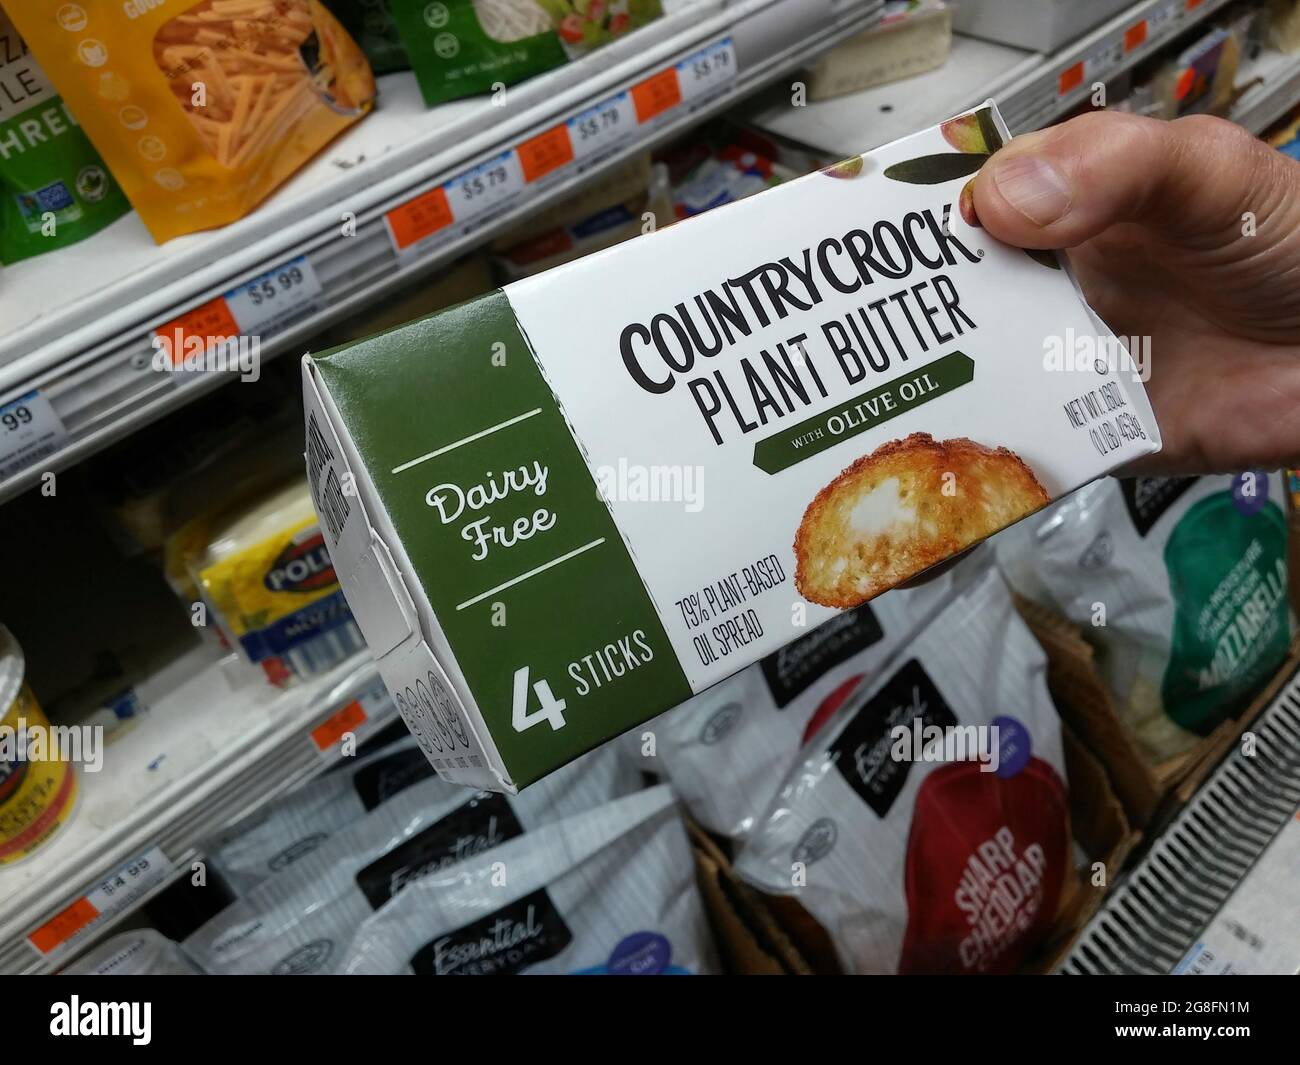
column 546, row 152
column 207, row 323
column 1135, row 35
column 656, row 94
column 1192, row 5
column 416, row 219
column 331, row 730
column 63, row 925
column 1071, row 78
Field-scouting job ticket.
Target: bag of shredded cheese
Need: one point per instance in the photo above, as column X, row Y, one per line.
column 201, row 108
column 54, row 188
column 727, row 749
column 287, row 830
column 1181, row 584
column 302, row 919
column 464, row 47
column 926, row 827
column 610, row 892
column 141, row 952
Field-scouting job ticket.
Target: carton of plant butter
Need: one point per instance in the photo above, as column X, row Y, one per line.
column 566, row 506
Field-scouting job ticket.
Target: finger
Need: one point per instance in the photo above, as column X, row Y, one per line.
column 1190, row 180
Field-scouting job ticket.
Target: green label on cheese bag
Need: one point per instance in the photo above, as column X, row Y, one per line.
column 54, row 188
column 1227, row 574
column 458, row 48
column 500, row 516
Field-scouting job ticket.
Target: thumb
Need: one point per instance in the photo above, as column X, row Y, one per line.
column 1190, row 180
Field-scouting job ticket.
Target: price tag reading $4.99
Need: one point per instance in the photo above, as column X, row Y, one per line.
column 485, row 186
column 270, row 300
column 603, row 126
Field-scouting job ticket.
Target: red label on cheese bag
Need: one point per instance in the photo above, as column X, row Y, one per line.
column 986, row 861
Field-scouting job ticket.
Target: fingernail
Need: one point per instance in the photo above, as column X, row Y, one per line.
column 1033, row 187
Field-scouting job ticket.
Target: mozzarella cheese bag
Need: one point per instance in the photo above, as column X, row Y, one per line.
column 611, row 891
column 927, row 827
column 727, row 750
column 283, row 832
column 302, row 919
column 586, row 497
column 1181, row 584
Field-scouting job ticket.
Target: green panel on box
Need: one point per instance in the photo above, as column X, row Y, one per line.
column 458, row 400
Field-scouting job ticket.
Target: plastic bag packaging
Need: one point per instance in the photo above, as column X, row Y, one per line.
column 610, row 891
column 924, row 851
column 465, row 47
column 54, row 188
column 201, row 109
column 302, row 919
column 285, row 831
column 728, row 749
column 140, row 952
column 1181, row 585
column 374, row 30
column 262, row 568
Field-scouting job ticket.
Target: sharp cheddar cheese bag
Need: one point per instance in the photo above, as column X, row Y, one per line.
column 201, row 107
column 927, row 826
column 54, row 188
column 1181, row 584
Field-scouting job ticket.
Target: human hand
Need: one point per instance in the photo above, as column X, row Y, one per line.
column 1152, row 215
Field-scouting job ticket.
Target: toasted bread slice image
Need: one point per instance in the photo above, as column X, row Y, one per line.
column 894, row 513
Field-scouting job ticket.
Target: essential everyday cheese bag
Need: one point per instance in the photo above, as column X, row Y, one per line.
column 139, row 952
column 927, row 827
column 302, row 919
column 727, row 750
column 287, row 830
column 609, row 891
column 1181, row 585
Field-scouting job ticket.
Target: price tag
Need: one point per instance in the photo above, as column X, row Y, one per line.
column 1135, row 36
column 29, row 431
column 601, row 127
column 115, row 893
column 485, row 186
column 1163, row 17
column 708, row 70
column 545, row 153
column 417, row 219
column 275, row 297
column 203, row 324
column 371, row 707
column 656, row 94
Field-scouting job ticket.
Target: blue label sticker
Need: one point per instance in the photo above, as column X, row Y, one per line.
column 1015, row 747
column 1250, row 491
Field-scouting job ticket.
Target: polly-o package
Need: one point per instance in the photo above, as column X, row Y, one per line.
column 201, row 109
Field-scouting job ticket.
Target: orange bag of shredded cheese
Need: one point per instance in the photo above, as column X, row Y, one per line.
column 201, row 107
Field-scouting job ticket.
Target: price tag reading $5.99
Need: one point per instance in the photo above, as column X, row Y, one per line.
column 29, row 431
column 271, row 299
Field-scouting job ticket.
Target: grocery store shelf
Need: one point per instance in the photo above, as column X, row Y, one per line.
column 1154, row 918
column 205, row 755
column 422, row 186
column 1272, row 87
column 1031, row 89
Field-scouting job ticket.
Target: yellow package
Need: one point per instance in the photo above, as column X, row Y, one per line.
column 201, row 109
column 268, row 578
column 38, row 788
